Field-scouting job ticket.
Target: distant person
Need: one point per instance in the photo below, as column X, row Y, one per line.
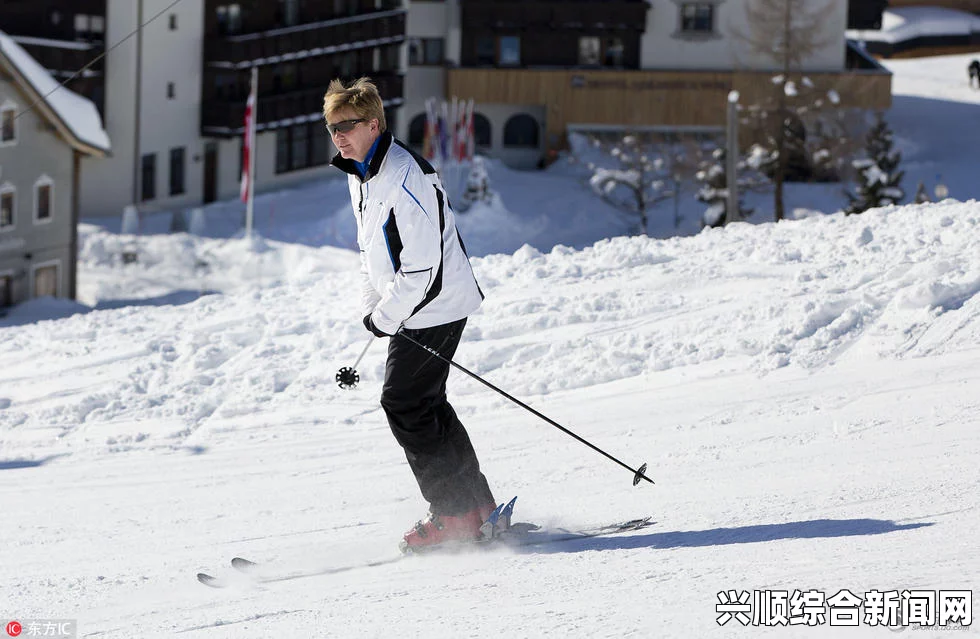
column 974, row 70
column 416, row 281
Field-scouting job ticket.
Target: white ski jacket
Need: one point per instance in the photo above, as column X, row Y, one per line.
column 414, row 265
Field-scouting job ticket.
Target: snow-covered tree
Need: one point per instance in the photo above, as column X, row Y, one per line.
column 880, row 182
column 477, row 185
column 713, row 179
column 635, row 172
column 787, row 32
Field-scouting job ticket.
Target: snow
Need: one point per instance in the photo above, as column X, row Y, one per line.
column 78, row 113
column 899, row 24
column 805, row 394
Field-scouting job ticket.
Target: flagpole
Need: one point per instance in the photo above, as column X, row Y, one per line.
column 251, row 133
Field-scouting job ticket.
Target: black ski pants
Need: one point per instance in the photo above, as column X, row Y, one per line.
column 436, row 445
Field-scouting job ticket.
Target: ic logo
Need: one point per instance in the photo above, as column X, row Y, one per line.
column 14, row 628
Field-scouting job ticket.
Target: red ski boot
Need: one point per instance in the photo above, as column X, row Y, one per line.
column 436, row 530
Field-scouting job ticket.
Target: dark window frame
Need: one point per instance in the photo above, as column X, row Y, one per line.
column 697, row 17
column 148, row 169
column 43, row 214
column 8, row 125
column 8, row 214
column 517, row 127
column 295, row 152
column 177, row 171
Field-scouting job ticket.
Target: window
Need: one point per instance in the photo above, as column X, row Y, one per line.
column 46, row 280
column 302, row 146
column 389, row 60
column 321, row 144
column 588, row 50
column 171, row 91
column 521, row 130
column 416, row 131
column 43, row 198
column 426, row 51
column 149, row 176
column 8, row 131
column 8, row 206
column 288, row 12
column 173, row 21
column 285, row 77
column 229, row 18
column 510, row 51
column 87, row 26
column 177, row 171
column 486, row 50
column 282, row 150
column 481, row 130
column 299, row 157
column 614, row 53
column 6, row 290
column 697, row 17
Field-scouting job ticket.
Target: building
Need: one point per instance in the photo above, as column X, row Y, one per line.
column 173, row 93
column 45, row 136
column 540, row 68
column 922, row 30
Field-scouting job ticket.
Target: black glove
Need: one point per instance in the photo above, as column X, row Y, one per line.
column 368, row 324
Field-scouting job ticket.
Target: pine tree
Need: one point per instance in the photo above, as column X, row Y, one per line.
column 714, row 190
column 880, row 177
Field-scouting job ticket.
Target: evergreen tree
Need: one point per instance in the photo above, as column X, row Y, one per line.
column 714, row 190
column 880, row 178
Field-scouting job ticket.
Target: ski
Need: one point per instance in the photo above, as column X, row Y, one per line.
column 498, row 532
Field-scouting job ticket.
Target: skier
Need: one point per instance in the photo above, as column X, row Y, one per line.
column 416, row 279
column 974, row 70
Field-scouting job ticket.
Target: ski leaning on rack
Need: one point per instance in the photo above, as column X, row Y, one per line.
column 517, row 535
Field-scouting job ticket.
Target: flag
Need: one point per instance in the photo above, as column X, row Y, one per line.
column 469, row 135
column 428, row 142
column 247, row 144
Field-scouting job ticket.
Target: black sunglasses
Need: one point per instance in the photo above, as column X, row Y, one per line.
column 344, row 126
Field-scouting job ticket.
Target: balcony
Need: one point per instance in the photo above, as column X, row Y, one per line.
column 54, row 19
column 223, row 118
column 483, row 15
column 304, row 41
column 63, row 57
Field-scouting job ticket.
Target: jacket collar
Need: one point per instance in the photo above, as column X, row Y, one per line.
column 350, row 167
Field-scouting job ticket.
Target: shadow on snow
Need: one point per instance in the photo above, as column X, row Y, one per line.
column 814, row 529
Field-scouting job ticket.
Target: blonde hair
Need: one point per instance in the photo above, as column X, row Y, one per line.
column 362, row 96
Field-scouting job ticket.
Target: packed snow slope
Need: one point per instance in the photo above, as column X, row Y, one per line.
column 805, row 393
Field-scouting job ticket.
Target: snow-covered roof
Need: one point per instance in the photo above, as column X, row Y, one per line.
column 81, row 122
column 908, row 23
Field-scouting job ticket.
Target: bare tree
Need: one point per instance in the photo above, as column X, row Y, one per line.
column 635, row 172
column 787, row 32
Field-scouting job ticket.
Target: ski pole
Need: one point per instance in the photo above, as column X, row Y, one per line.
column 638, row 473
column 347, row 376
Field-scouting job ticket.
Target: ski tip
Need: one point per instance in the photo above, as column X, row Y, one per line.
column 508, row 510
column 242, row 564
column 209, row 580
